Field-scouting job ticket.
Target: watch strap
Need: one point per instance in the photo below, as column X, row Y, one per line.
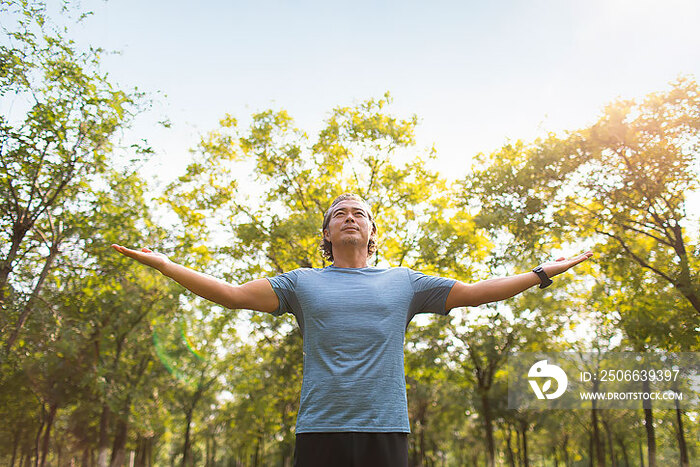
column 545, row 281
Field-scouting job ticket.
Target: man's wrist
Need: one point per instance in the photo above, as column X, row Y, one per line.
column 167, row 268
column 545, row 281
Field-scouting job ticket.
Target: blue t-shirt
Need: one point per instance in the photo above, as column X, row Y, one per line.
column 353, row 321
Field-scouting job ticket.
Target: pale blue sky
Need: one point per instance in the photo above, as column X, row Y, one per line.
column 476, row 73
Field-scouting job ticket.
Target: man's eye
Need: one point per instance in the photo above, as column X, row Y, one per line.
column 360, row 213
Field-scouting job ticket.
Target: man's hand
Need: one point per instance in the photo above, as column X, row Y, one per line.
column 155, row 260
column 562, row 264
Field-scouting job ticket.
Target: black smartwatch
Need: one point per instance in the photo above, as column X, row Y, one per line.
column 545, row 281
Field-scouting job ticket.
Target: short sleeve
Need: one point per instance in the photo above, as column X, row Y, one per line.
column 429, row 293
column 284, row 286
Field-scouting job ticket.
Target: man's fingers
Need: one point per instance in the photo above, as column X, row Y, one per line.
column 120, row 248
column 126, row 251
column 583, row 257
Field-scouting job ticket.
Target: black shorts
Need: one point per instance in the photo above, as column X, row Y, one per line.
column 351, row 449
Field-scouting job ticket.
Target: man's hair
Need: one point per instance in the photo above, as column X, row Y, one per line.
column 327, row 247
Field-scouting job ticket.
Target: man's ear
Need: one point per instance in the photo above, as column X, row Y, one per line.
column 325, row 235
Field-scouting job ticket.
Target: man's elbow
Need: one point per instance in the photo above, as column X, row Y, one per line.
column 232, row 297
column 463, row 295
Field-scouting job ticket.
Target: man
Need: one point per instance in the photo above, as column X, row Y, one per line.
column 353, row 317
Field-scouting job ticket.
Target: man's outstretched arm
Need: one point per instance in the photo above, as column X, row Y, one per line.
column 254, row 295
column 494, row 290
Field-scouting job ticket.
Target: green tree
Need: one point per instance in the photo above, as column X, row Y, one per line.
column 64, row 119
column 116, row 305
column 623, row 183
column 434, row 395
column 625, row 179
column 87, row 357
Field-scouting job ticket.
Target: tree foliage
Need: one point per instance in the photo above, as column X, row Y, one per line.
column 59, row 119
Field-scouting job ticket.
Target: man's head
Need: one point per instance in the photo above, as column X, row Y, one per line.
column 349, row 220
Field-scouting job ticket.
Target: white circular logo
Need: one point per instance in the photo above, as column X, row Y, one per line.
column 542, row 370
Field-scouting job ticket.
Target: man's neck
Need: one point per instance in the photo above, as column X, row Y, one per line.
column 349, row 259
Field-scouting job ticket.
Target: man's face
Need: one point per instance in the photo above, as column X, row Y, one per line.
column 349, row 224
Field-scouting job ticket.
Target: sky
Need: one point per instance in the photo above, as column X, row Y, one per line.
column 477, row 74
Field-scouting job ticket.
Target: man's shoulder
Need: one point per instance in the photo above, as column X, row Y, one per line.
column 299, row 272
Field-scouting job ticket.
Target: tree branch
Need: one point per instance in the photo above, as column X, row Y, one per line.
column 638, row 259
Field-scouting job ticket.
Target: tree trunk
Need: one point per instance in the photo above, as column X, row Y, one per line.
column 641, row 455
column 15, row 442
column 597, row 444
column 140, row 451
column 509, row 448
column 624, row 451
column 689, row 293
column 118, row 447
column 53, row 252
column 414, row 451
column 85, row 461
column 684, row 282
column 685, row 462
column 488, row 427
column 422, row 445
column 47, row 433
column 649, row 425
column 142, row 458
column 103, row 440
column 145, row 459
column 19, row 230
column 608, row 432
column 256, row 459
column 526, row 462
column 37, row 440
column 186, row 447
